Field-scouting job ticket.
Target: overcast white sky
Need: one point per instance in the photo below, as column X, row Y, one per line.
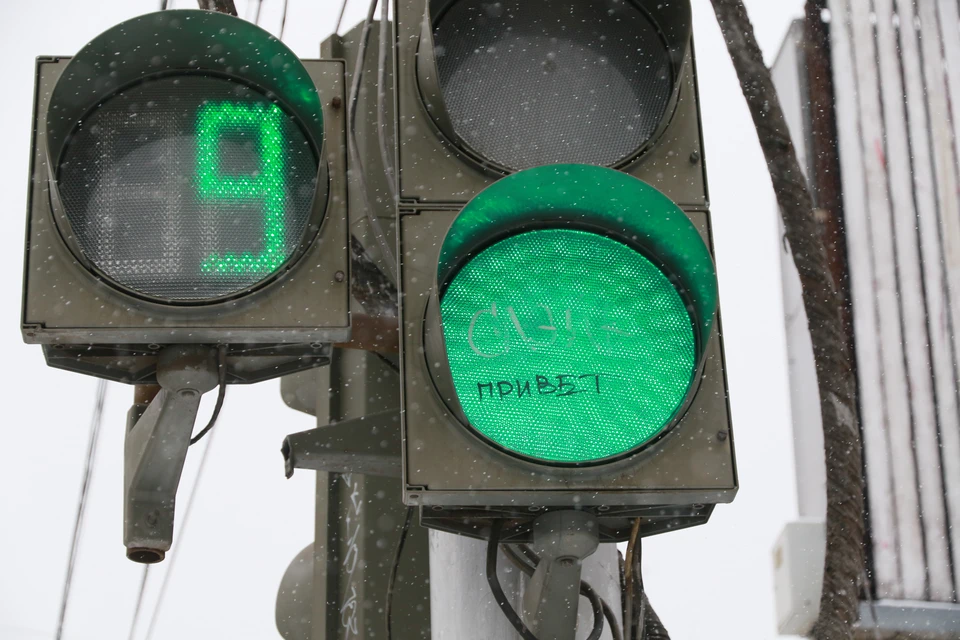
column 249, row 522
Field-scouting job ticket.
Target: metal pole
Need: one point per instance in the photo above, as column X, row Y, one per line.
column 358, row 522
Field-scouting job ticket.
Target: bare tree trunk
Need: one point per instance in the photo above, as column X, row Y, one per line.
column 843, row 568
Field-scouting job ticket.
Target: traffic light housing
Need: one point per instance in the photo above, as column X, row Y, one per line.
column 560, row 338
column 188, row 186
column 524, row 72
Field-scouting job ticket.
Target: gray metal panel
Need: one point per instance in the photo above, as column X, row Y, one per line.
column 921, row 620
column 693, row 464
column 358, row 520
column 63, row 303
column 433, row 171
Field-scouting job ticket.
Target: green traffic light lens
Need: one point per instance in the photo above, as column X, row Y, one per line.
column 575, row 306
column 567, row 346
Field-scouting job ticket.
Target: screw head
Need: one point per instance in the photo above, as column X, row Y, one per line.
column 339, row 276
column 335, row 102
column 694, row 157
column 152, row 518
column 721, row 435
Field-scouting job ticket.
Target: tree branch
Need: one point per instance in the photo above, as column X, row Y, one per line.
column 843, row 567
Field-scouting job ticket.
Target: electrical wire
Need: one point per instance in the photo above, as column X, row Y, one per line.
column 163, row 5
column 391, row 583
column 528, row 563
column 343, row 9
column 387, row 361
column 381, row 95
column 634, row 623
column 358, row 172
column 587, row 591
column 256, row 16
column 136, row 610
column 183, row 530
column 221, row 394
column 92, row 441
column 497, row 589
column 283, row 19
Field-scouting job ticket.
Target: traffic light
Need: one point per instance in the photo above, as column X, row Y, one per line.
column 560, row 337
column 187, row 187
column 186, row 227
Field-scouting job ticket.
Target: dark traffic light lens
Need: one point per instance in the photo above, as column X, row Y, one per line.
column 188, row 188
column 567, row 346
column 531, row 83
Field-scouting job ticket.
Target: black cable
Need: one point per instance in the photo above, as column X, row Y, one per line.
column 611, row 620
column 163, row 5
column 528, row 563
column 354, row 147
column 283, row 19
column 381, row 94
column 92, row 440
column 343, row 8
column 638, row 581
column 595, row 603
column 221, row 394
column 495, row 587
column 387, row 361
column 391, row 583
column 633, row 621
column 139, row 605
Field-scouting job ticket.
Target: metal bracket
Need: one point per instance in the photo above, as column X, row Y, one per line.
column 369, row 445
column 562, row 539
column 156, row 448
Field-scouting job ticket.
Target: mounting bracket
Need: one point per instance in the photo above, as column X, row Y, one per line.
column 156, row 448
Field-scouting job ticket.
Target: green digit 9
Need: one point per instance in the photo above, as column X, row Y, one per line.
column 267, row 186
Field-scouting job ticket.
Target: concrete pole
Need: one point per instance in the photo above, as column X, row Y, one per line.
column 462, row 607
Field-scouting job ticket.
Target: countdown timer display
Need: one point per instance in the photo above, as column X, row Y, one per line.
column 188, row 188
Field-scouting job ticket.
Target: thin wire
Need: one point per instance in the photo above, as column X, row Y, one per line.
column 136, row 611
column 92, row 441
column 183, row 531
column 256, row 16
column 386, row 251
column 381, row 95
column 283, row 19
column 343, row 8
column 387, row 361
column 163, row 5
column 221, row 394
column 391, row 583
column 497, row 589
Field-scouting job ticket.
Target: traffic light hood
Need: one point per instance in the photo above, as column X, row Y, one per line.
column 181, row 41
column 592, row 198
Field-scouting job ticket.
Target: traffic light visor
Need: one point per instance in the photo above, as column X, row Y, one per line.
column 575, row 305
column 184, row 154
